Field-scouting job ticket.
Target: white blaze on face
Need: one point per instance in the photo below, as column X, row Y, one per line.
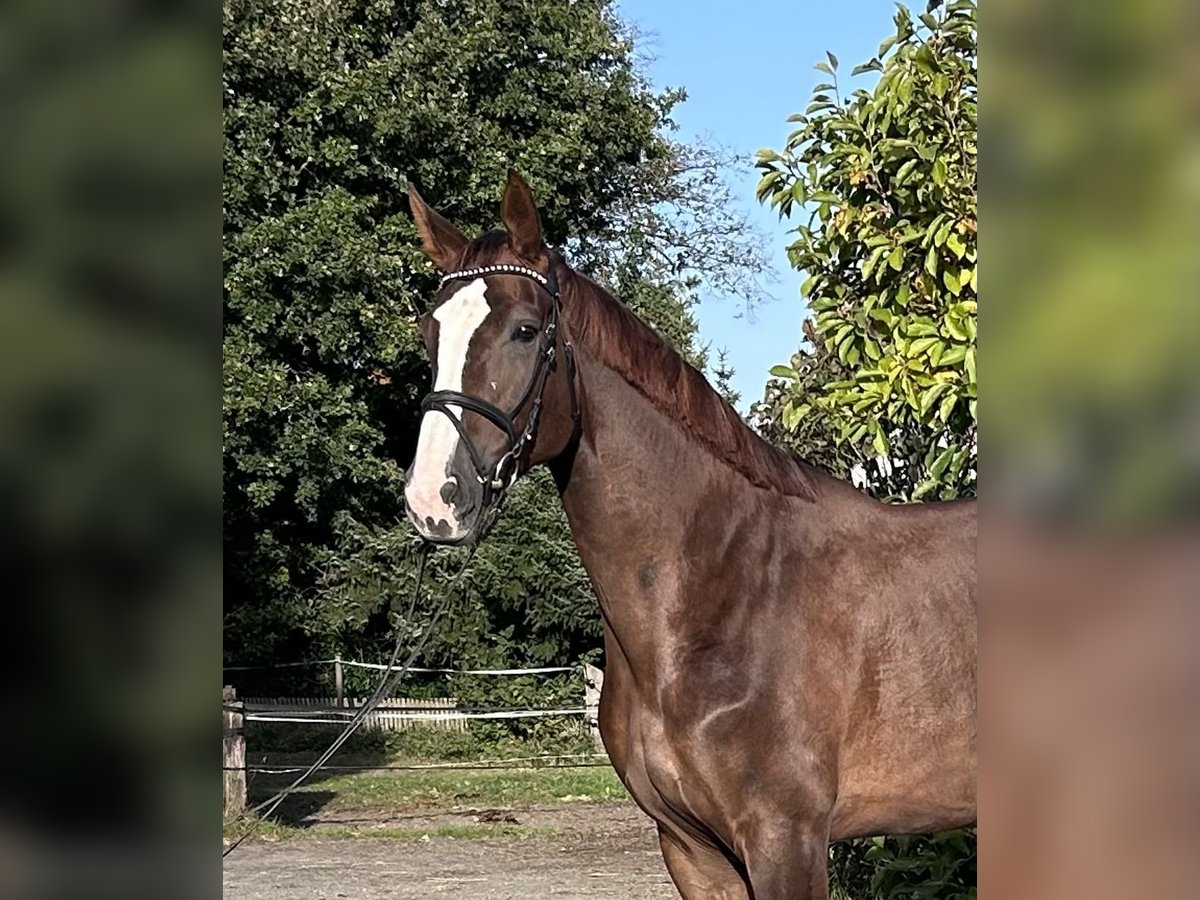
column 458, row 319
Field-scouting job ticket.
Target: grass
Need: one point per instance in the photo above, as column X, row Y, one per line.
column 329, row 798
column 485, row 740
column 271, row 831
column 429, row 792
column 448, row 789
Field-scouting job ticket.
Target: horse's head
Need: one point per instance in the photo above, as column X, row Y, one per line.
column 503, row 393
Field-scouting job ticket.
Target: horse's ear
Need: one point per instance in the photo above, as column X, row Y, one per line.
column 519, row 214
column 441, row 241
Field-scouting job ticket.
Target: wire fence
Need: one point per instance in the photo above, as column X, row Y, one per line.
column 547, row 761
column 395, row 714
column 266, row 715
column 380, row 718
column 537, row 670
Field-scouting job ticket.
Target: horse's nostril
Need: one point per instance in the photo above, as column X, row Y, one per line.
column 441, row 528
column 449, row 491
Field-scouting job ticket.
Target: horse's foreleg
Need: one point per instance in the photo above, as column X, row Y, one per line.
column 789, row 862
column 701, row 872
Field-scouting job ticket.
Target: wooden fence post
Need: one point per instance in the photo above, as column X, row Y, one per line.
column 593, row 680
column 233, row 745
column 338, row 689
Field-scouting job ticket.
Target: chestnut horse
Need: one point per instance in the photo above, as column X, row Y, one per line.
column 788, row 661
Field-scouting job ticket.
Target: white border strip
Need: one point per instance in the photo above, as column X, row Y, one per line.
column 438, row 716
column 543, row 670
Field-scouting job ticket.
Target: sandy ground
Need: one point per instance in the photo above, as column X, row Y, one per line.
column 589, row 852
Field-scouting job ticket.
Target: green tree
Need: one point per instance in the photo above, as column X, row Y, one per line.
column 885, row 387
column 329, row 109
column 887, row 178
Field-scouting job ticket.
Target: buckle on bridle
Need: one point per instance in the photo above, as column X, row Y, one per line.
column 496, row 481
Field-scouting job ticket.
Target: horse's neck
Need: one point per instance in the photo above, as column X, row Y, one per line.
column 649, row 510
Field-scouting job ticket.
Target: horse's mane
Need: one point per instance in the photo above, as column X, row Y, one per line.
column 618, row 339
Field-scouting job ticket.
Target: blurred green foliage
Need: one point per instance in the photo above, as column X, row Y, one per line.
column 108, row 456
column 887, row 178
column 1094, row 204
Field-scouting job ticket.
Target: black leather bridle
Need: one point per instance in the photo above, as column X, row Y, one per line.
column 497, row 479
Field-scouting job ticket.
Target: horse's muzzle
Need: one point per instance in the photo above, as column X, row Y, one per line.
column 448, row 515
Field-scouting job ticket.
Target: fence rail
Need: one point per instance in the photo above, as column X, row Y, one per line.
column 354, row 664
column 392, row 714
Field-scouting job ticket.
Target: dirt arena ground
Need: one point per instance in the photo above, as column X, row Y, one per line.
column 603, row 851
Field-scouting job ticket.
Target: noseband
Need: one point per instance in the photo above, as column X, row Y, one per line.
column 499, row 478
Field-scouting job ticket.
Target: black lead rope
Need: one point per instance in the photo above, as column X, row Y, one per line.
column 392, row 675
column 496, row 483
column 497, row 479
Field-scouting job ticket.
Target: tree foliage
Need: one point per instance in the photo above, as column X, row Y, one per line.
column 939, row 866
column 329, row 110
column 887, row 177
column 885, row 389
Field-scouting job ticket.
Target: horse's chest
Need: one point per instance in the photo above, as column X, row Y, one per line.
column 672, row 782
column 672, row 756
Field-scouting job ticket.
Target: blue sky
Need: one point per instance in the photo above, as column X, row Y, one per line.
column 747, row 65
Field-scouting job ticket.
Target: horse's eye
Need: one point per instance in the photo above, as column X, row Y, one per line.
column 524, row 333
